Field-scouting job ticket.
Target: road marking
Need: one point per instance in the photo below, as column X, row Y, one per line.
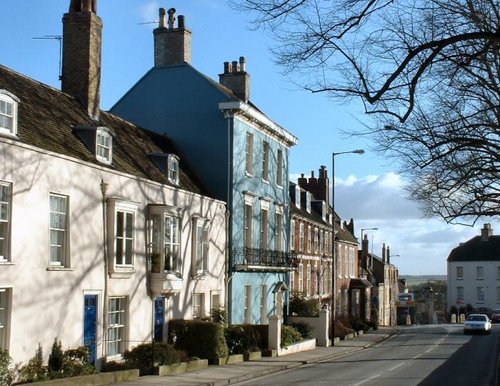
column 397, row 366
column 367, row 380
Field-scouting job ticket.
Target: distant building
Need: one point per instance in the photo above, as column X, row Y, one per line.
column 474, row 272
column 311, row 240
column 384, row 277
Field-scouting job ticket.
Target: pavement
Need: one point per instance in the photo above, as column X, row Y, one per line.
column 239, row 372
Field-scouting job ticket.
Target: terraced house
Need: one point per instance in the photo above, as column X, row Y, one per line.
column 105, row 230
column 238, row 152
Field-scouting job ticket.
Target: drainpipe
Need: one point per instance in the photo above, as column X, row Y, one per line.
column 104, row 189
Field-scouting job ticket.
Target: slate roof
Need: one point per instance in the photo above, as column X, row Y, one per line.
column 477, row 250
column 46, row 117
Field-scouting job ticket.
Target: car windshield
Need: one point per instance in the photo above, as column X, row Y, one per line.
column 476, row 318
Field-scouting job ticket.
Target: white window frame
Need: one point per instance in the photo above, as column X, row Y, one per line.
column 308, row 279
column 116, row 241
column 125, row 238
column 309, row 238
column 5, row 220
column 460, row 293
column 64, row 245
column 460, row 272
column 292, row 235
column 201, row 250
column 279, row 170
column 316, row 240
column 5, row 315
column 480, row 294
column 8, row 99
column 301, row 277
column 215, row 300
column 198, row 308
column 292, row 281
column 248, row 225
column 480, row 272
column 173, row 169
column 263, row 304
column 104, row 146
column 117, row 324
column 302, row 238
column 249, row 154
column 247, row 311
column 278, row 245
column 264, row 229
column 166, row 246
column 265, row 161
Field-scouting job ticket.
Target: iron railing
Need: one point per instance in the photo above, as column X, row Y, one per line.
column 264, row 258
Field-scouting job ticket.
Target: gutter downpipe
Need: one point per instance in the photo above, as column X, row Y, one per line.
column 104, row 189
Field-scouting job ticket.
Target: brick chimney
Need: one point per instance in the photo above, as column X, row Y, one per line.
column 81, row 67
column 172, row 44
column 486, row 232
column 236, row 78
column 317, row 186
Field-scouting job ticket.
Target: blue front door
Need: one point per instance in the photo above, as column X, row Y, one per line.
column 90, row 324
column 159, row 318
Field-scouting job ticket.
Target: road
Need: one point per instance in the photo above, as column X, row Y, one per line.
column 433, row 355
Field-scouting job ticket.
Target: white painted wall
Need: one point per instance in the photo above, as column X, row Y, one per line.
column 470, row 282
column 48, row 304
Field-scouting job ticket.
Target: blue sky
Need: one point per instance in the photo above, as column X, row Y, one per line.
column 368, row 187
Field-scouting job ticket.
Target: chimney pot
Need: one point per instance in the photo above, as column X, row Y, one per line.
column 235, row 66
column 171, row 18
column 226, row 68
column 180, row 22
column 162, row 18
column 242, row 64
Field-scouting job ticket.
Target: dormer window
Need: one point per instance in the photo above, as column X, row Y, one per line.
column 173, row 169
column 104, row 146
column 8, row 113
column 99, row 140
column 168, row 164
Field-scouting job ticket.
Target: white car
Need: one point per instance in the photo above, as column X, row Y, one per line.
column 477, row 323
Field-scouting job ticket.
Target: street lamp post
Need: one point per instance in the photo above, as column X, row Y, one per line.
column 367, row 229
column 334, row 254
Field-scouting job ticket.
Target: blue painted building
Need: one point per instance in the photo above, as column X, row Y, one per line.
column 238, row 152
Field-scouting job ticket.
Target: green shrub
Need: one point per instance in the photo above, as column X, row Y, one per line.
column 6, row 372
column 77, row 362
column 218, row 315
column 199, row 339
column 301, row 306
column 148, row 356
column 304, row 329
column 289, row 335
column 242, row 339
column 61, row 364
column 109, row 367
column 56, row 357
column 33, row 371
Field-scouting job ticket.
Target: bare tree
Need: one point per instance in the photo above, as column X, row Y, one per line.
column 429, row 71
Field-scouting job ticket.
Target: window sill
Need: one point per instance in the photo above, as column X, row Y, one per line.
column 200, row 275
column 122, row 274
column 59, row 268
column 6, row 262
column 8, row 134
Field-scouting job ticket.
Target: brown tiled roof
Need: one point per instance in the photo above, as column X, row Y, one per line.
column 47, row 116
